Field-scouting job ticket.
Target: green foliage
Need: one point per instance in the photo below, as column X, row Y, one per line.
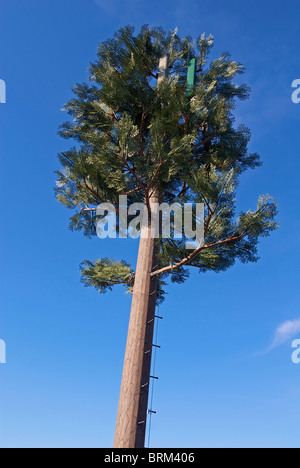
column 134, row 135
column 105, row 273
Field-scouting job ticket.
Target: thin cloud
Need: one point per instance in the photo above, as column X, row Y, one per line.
column 285, row 332
column 108, row 7
column 124, row 9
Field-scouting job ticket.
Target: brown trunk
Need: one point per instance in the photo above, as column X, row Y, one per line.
column 133, row 402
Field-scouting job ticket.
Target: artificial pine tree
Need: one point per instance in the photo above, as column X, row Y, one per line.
column 154, row 137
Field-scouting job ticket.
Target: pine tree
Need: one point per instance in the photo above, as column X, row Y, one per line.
column 156, row 138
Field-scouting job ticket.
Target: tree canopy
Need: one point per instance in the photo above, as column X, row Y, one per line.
column 133, row 135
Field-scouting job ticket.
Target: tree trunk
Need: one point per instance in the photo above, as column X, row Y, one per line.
column 133, row 403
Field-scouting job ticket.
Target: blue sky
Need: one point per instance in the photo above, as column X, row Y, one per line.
column 222, row 384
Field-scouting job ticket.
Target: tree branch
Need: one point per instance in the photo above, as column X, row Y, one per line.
column 113, row 283
column 202, row 143
column 93, row 192
column 190, row 257
column 132, row 171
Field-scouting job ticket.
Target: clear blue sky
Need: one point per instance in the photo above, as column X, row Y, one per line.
column 65, row 343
